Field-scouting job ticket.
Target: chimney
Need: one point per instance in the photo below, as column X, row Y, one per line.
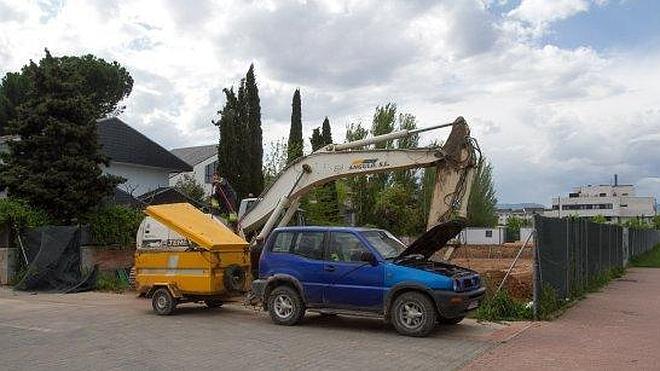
column 616, row 180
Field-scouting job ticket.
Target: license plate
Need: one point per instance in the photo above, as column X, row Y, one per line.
column 473, row 304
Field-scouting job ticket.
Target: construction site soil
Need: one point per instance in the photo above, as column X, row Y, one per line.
column 493, row 261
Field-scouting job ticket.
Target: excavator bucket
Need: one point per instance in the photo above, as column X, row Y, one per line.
column 196, row 226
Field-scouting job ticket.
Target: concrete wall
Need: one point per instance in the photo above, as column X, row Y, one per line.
column 139, row 179
column 525, row 232
column 7, row 264
column 107, row 258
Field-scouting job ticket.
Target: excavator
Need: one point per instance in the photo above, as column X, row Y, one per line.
column 183, row 255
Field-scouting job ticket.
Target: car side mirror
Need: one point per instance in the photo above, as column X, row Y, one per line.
column 368, row 257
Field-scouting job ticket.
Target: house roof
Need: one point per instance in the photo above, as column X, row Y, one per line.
column 195, row 155
column 122, row 143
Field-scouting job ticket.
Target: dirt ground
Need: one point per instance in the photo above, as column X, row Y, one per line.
column 492, row 262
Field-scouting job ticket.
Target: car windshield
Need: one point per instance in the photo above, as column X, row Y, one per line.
column 387, row 245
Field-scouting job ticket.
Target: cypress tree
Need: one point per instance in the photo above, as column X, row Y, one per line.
column 326, row 133
column 254, row 134
column 295, row 144
column 228, row 124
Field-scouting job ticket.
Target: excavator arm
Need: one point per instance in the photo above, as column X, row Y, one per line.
column 455, row 162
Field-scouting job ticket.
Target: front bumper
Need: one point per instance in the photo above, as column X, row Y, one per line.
column 458, row 304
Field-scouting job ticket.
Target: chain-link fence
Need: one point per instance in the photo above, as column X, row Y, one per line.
column 571, row 253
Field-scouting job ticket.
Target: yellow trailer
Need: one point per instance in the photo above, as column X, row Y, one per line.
column 184, row 255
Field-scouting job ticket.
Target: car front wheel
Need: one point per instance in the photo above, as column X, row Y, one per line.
column 413, row 314
column 285, row 306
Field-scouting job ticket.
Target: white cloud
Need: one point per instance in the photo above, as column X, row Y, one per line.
column 547, row 117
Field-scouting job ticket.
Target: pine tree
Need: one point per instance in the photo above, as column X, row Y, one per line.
column 323, row 205
column 56, row 163
column 316, row 140
column 295, row 144
column 254, row 134
column 357, row 186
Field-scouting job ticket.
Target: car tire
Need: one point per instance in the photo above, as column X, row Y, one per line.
column 285, row 306
column 413, row 314
column 450, row 321
column 163, row 302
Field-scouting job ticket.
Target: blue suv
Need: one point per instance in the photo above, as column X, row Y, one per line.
column 363, row 271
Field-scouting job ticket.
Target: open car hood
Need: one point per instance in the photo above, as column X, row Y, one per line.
column 434, row 239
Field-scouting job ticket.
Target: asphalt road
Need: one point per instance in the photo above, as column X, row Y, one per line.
column 109, row 331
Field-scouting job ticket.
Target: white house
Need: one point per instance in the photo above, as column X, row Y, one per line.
column 617, row 203
column 204, row 162
column 142, row 162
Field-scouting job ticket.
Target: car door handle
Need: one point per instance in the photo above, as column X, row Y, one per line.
column 329, row 268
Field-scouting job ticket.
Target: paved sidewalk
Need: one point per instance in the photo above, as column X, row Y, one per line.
column 107, row 331
column 618, row 328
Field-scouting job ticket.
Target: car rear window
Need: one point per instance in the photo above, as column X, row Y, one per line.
column 283, row 242
column 309, row 245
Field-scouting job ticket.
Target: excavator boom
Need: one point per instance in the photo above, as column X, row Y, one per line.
column 455, row 162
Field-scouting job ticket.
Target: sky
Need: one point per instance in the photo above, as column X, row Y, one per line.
column 559, row 93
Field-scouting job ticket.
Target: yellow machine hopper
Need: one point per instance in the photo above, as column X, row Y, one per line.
column 184, row 255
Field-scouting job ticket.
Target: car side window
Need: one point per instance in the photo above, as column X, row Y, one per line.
column 283, row 242
column 309, row 245
column 345, row 247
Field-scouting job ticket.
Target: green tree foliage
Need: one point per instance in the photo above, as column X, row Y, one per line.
column 326, row 131
column 13, row 91
column 357, row 192
column 114, row 225
column 599, row 219
column 56, row 163
column 275, row 160
column 513, row 225
column 316, row 140
column 295, row 144
column 397, row 210
column 656, row 222
column 240, row 150
column 482, row 201
column 407, row 178
column 230, row 149
column 17, row 213
column 189, row 186
column 322, row 205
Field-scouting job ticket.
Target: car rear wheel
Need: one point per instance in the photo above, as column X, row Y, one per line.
column 285, row 306
column 163, row 302
column 413, row 314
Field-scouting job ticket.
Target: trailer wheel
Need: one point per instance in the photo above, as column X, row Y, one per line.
column 163, row 302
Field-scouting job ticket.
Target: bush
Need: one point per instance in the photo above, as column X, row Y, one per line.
column 649, row 259
column 114, row 225
column 107, row 281
column 18, row 213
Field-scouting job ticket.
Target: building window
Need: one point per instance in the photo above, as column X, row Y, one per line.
column 624, row 194
column 603, row 194
column 209, row 170
column 489, row 234
column 573, row 195
column 624, row 205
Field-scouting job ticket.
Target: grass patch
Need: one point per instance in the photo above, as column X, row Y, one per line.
column 650, row 259
column 112, row 282
column 502, row 307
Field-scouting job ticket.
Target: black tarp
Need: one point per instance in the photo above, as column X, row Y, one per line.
column 53, row 254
